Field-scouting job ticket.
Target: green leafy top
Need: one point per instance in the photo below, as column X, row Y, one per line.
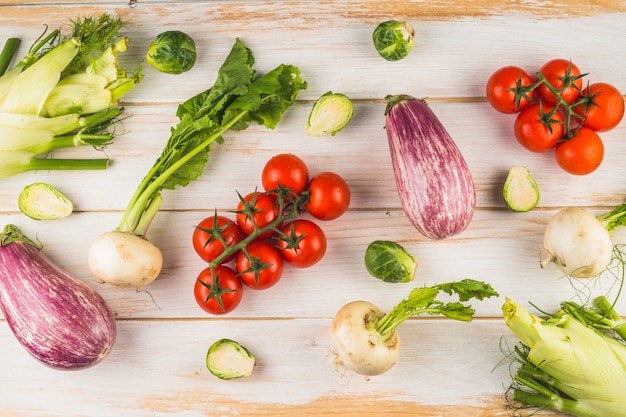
column 423, row 300
column 237, row 98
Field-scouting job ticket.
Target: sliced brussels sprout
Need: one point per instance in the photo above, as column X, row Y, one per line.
column 227, row 359
column 172, row 52
column 394, row 39
column 41, row 201
column 389, row 261
column 520, row 190
column 330, row 114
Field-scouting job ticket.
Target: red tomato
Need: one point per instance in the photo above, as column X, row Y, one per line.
column 260, row 266
column 221, row 296
column 303, row 243
column 329, row 196
column 582, row 153
column 506, row 89
column 206, row 240
column 602, row 107
column 287, row 170
column 259, row 209
column 565, row 77
column 538, row 131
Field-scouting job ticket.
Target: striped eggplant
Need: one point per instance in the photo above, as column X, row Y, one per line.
column 60, row 320
column 433, row 180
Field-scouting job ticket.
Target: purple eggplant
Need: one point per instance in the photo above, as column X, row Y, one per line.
column 433, row 180
column 60, row 320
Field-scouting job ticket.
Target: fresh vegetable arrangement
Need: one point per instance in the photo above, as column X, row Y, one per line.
column 579, row 243
column 64, row 93
column 366, row 339
column 237, row 98
column 58, row 319
column 556, row 113
column 572, row 361
column 434, row 182
column 267, row 232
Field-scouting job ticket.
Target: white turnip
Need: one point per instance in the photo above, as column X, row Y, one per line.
column 125, row 259
column 579, row 243
column 366, row 339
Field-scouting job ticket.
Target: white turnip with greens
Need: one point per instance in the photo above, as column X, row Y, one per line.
column 58, row 319
column 579, row 243
column 124, row 256
column 366, row 339
column 434, row 183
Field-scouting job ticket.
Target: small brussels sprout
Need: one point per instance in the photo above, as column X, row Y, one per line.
column 389, row 261
column 393, row 39
column 227, row 359
column 330, row 114
column 172, row 52
column 41, row 201
column 520, row 190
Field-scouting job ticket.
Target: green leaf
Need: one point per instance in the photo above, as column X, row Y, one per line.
column 235, row 100
column 467, row 289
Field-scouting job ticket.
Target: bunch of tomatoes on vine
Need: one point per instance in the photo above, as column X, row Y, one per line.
column 267, row 231
column 555, row 111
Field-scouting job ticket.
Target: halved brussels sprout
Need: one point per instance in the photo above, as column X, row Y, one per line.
column 41, row 201
column 389, row 261
column 520, row 190
column 393, row 39
column 227, row 359
column 330, row 114
column 172, row 52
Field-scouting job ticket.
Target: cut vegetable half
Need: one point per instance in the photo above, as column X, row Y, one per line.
column 41, row 201
column 227, row 359
column 520, row 191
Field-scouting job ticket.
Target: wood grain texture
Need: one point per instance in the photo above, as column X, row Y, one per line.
column 446, row 368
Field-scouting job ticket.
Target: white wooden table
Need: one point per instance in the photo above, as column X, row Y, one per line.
column 446, row 368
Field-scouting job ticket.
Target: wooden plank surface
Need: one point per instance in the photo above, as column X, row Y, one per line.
column 446, row 368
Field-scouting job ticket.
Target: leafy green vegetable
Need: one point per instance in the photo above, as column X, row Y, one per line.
column 330, row 114
column 389, row 261
column 423, row 300
column 64, row 93
column 227, row 359
column 41, row 201
column 520, row 190
column 172, row 52
column 394, row 39
column 566, row 364
column 237, row 98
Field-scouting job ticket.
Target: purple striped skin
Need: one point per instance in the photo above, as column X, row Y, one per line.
column 59, row 320
column 433, row 180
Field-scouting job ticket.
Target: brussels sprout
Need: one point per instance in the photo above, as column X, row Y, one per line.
column 393, row 39
column 520, row 190
column 172, row 52
column 330, row 114
column 41, row 201
column 389, row 261
column 227, row 359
